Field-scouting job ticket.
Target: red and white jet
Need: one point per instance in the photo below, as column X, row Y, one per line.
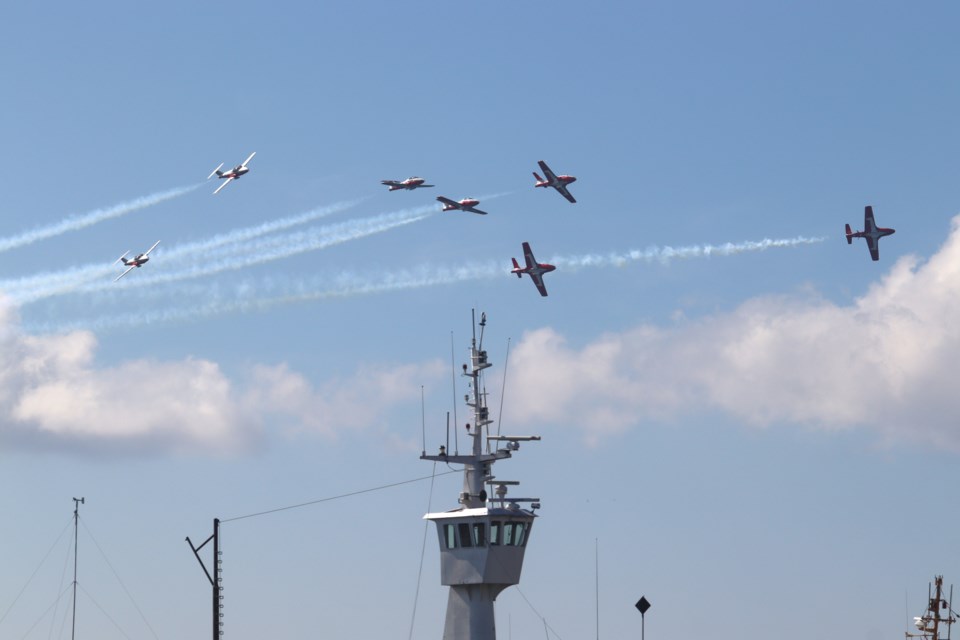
column 534, row 269
column 553, row 180
column 136, row 262
column 871, row 232
column 234, row 173
column 467, row 204
column 409, row 184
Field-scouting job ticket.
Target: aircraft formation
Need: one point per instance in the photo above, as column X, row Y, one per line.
column 536, row 270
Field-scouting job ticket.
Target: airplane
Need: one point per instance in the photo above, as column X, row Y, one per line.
column 467, row 204
column 409, row 184
column 553, row 180
column 234, row 173
column 137, row 262
column 871, row 232
column 534, row 269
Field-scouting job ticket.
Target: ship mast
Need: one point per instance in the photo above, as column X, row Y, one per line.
column 482, row 542
column 930, row 622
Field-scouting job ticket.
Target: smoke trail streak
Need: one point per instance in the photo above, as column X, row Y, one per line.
column 77, row 222
column 250, row 296
column 43, row 285
column 275, row 248
column 92, row 278
column 664, row 255
column 250, row 233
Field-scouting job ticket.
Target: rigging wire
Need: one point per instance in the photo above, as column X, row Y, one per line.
column 337, row 497
column 423, row 552
column 104, row 612
column 71, row 551
column 35, row 571
column 534, row 609
column 45, row 611
column 117, row 576
column 503, row 391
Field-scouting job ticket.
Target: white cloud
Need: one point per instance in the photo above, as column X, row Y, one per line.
column 54, row 395
column 886, row 362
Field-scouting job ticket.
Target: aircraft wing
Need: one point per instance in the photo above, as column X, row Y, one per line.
column 248, row 159
column 538, row 282
column 472, row 210
column 147, row 252
column 129, row 269
column 225, row 183
column 562, row 188
column 548, row 174
column 874, row 247
column 869, row 224
column 528, row 256
column 453, row 203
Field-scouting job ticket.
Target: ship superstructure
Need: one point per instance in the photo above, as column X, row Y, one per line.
column 482, row 541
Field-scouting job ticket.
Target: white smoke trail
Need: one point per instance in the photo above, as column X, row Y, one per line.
column 263, row 250
column 666, row 254
column 218, row 254
column 250, row 296
column 44, row 285
column 76, row 222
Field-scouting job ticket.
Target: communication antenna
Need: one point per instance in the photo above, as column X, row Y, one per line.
column 453, row 383
column 423, row 421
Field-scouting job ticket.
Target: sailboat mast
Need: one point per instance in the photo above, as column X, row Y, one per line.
column 76, row 520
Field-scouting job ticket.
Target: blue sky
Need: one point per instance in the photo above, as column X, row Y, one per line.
column 761, row 443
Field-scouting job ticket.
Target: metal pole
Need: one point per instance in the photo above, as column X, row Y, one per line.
column 76, row 519
column 643, row 630
column 216, row 579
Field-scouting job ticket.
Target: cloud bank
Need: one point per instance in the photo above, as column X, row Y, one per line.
column 54, row 395
column 887, row 362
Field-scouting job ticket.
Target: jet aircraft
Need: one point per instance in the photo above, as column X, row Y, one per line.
column 136, row 262
column 409, row 184
column 467, row 204
column 534, row 269
column 871, row 232
column 553, row 180
column 234, row 173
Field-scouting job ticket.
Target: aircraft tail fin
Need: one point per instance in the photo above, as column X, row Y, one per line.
column 216, row 172
column 516, row 268
column 120, row 259
column 539, row 179
column 849, row 235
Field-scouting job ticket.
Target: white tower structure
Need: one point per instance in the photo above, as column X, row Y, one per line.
column 482, row 542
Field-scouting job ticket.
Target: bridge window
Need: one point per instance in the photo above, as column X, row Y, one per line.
column 515, row 533
column 465, row 540
column 479, row 537
column 495, row 527
column 449, row 536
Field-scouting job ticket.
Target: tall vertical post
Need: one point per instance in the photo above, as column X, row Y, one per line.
column 215, row 578
column 642, row 605
column 76, row 521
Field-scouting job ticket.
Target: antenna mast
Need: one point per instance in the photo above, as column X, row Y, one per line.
column 929, row 623
column 483, row 540
column 76, row 520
